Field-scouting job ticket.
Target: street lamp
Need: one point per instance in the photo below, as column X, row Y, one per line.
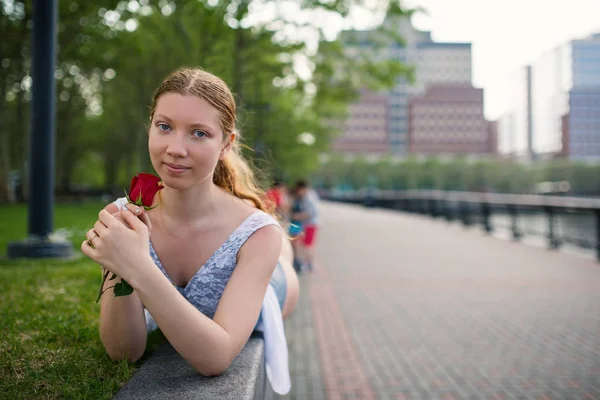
column 38, row 244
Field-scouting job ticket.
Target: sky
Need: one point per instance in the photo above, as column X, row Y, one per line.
column 506, row 34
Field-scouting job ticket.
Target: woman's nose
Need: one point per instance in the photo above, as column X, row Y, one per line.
column 177, row 146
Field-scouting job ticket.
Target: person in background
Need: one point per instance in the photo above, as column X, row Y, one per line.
column 278, row 197
column 307, row 212
column 295, row 230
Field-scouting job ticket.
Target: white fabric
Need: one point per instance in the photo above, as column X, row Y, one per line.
column 276, row 350
column 120, row 202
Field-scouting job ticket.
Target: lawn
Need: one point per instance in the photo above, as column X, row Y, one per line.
column 49, row 343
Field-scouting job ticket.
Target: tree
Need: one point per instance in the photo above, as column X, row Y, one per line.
column 113, row 54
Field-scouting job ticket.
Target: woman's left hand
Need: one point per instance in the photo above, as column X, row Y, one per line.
column 115, row 246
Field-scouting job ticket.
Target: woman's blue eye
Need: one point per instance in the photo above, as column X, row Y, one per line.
column 199, row 133
column 164, row 127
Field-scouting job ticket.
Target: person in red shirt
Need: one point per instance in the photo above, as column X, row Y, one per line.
column 278, row 197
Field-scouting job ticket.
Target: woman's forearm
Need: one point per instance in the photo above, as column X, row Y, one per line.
column 122, row 325
column 200, row 340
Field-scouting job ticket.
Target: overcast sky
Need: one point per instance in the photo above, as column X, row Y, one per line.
column 506, row 34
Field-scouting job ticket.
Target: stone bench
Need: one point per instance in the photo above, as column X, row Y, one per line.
column 166, row 375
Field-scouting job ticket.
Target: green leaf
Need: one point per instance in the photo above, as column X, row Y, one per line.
column 113, row 277
column 126, row 195
column 123, row 289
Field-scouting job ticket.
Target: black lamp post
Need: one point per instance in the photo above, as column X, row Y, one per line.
column 38, row 244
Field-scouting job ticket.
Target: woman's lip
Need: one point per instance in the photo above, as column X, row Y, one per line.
column 176, row 166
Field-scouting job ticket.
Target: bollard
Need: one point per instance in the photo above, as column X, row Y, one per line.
column 514, row 226
column 448, row 211
column 553, row 242
column 598, row 235
column 464, row 210
column 486, row 213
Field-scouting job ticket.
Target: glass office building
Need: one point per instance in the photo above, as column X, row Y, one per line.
column 564, row 92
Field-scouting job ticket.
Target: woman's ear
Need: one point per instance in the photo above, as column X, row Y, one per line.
column 228, row 145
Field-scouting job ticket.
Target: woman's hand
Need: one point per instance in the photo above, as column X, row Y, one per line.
column 139, row 211
column 118, row 242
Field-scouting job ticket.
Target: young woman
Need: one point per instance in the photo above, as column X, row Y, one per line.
column 202, row 260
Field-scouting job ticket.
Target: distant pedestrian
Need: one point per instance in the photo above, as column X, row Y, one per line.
column 278, row 198
column 307, row 213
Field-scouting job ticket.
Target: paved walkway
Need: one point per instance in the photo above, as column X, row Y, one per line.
column 407, row 307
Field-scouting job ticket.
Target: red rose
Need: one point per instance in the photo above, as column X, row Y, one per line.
column 143, row 188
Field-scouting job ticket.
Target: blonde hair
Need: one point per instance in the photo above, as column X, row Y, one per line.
column 233, row 173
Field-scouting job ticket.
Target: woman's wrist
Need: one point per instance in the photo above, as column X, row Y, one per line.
column 142, row 269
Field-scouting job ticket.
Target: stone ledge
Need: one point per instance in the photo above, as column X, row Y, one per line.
column 166, row 375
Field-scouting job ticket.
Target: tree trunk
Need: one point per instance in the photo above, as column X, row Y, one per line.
column 6, row 192
column 5, row 187
column 111, row 168
column 237, row 66
column 68, row 152
column 24, row 132
column 238, row 48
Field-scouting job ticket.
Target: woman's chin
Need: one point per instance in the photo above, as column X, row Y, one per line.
column 182, row 183
column 175, row 183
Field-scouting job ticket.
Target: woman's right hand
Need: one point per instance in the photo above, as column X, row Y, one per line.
column 140, row 212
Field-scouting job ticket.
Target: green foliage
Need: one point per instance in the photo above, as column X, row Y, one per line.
column 113, row 54
column 459, row 174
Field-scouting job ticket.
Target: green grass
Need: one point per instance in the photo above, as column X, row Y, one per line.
column 49, row 343
column 77, row 218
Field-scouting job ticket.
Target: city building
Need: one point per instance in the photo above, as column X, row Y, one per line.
column 580, row 128
column 563, row 78
column 554, row 105
column 515, row 127
column 449, row 119
column 439, row 62
column 365, row 130
column 433, row 63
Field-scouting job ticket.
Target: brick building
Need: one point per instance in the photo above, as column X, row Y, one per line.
column 365, row 129
column 449, row 119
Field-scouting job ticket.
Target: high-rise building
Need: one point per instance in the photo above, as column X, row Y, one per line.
column 448, row 119
column 441, row 63
column 563, row 78
column 581, row 126
column 582, row 130
column 406, row 53
column 550, row 84
column 554, row 104
column 433, row 63
column 515, row 128
column 365, row 129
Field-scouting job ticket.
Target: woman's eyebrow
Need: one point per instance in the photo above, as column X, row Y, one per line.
column 201, row 125
column 194, row 125
column 161, row 116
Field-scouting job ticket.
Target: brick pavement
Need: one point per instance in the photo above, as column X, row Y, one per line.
column 406, row 307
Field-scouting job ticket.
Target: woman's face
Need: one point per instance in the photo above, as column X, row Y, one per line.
column 185, row 140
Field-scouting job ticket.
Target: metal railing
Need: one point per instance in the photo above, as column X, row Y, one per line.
column 476, row 207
